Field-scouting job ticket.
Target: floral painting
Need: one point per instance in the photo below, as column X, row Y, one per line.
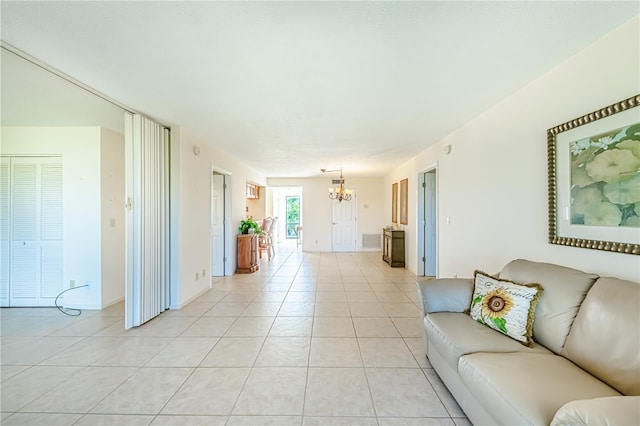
column 404, row 201
column 394, row 203
column 605, row 178
column 593, row 166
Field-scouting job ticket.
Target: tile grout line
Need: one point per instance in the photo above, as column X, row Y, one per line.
column 254, row 288
column 366, row 377
column 252, row 368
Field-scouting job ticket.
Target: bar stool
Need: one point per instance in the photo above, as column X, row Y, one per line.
column 264, row 239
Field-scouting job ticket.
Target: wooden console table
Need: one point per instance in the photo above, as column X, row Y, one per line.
column 393, row 247
column 247, row 253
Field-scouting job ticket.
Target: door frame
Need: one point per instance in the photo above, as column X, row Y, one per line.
column 227, row 269
column 286, row 223
column 278, row 207
column 421, row 221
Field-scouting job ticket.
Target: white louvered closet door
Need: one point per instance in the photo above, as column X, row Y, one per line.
column 4, row 231
column 31, row 228
column 147, row 186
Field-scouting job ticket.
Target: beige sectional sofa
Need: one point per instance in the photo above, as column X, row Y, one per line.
column 584, row 366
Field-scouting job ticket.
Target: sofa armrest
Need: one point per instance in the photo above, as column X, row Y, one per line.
column 613, row 410
column 445, row 294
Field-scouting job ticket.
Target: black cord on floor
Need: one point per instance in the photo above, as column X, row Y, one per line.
column 61, row 309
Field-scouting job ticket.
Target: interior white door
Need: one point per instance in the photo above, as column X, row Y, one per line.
column 427, row 223
column 343, row 224
column 430, row 220
column 217, row 224
column 35, row 231
column 422, row 224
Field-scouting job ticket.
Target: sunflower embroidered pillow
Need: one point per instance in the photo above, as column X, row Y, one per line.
column 505, row 306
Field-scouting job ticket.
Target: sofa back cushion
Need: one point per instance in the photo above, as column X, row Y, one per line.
column 564, row 291
column 605, row 337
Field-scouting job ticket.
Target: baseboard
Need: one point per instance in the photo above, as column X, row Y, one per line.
column 191, row 299
column 85, row 307
column 114, row 302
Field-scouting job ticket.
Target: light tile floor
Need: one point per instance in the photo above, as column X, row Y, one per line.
column 309, row 339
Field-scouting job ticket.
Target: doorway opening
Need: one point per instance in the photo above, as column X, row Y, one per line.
column 64, row 222
column 293, row 216
column 286, row 204
column 427, row 223
column 219, row 229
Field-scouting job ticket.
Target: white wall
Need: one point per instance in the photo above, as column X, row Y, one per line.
column 256, row 207
column 316, row 208
column 493, row 185
column 80, row 150
column 112, row 193
column 268, row 207
column 191, row 206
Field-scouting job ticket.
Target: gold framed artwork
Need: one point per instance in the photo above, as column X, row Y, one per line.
column 394, row 203
column 594, row 179
column 404, row 201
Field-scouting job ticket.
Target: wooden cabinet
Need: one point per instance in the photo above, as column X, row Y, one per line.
column 247, row 253
column 393, row 247
column 253, row 191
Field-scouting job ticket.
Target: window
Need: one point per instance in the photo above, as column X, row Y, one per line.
column 293, row 216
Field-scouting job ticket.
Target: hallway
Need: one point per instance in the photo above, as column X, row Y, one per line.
column 310, row 338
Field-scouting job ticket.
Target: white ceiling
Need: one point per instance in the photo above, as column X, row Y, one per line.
column 293, row 87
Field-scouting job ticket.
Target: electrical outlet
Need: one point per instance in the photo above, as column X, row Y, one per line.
column 196, row 276
column 72, row 284
column 204, row 273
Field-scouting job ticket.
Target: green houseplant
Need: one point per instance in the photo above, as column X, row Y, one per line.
column 247, row 224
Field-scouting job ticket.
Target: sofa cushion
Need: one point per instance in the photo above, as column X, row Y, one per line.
column 612, row 410
column 445, row 294
column 456, row 334
column 505, row 306
column 605, row 337
column 527, row 388
column 564, row 291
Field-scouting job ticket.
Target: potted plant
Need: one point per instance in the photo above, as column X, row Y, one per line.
column 249, row 226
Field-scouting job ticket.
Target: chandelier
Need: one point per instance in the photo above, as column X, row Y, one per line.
column 341, row 193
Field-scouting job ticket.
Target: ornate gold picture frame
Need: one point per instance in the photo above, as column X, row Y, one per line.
column 404, row 201
column 594, row 179
column 394, row 203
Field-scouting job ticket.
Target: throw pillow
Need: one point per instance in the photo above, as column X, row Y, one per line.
column 505, row 306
